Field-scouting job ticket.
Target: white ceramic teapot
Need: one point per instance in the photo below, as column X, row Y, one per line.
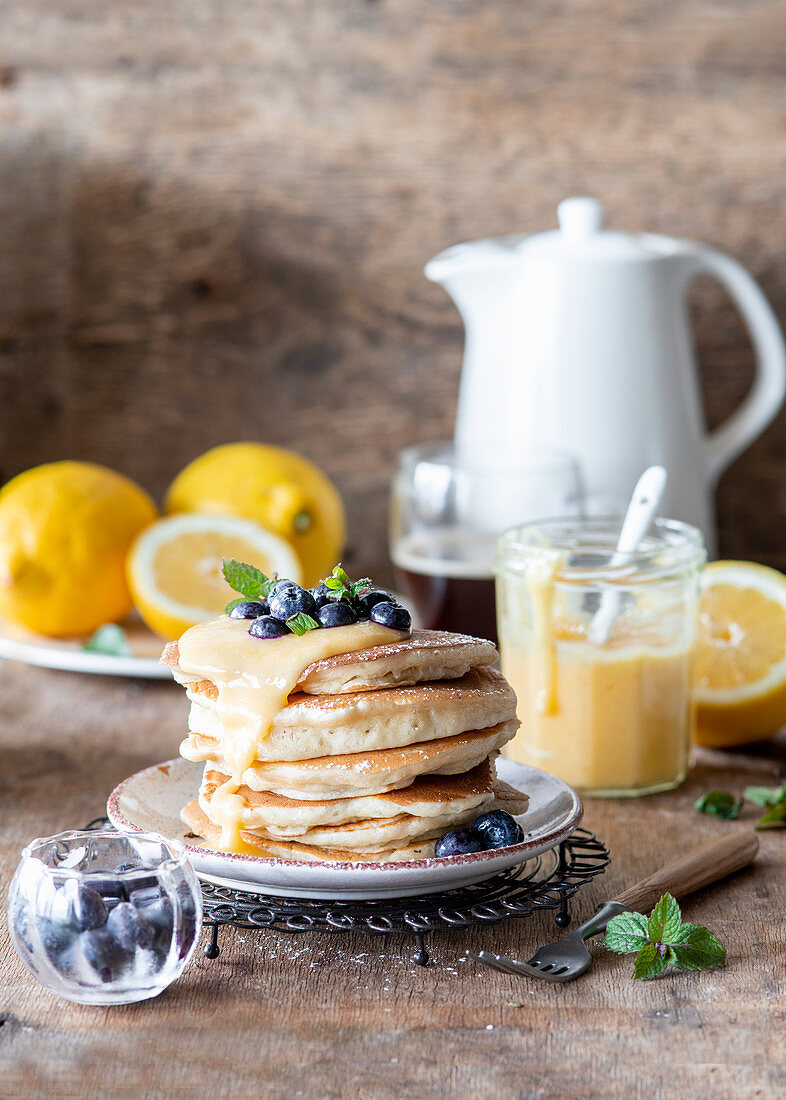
column 579, row 338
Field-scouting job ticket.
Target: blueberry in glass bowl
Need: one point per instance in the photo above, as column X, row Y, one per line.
column 103, row 917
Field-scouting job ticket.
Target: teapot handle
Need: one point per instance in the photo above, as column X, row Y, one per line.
column 769, row 386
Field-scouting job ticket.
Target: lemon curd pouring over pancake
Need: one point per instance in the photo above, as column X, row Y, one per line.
column 331, row 730
column 256, row 676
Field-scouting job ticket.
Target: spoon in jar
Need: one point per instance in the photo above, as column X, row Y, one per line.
column 641, row 511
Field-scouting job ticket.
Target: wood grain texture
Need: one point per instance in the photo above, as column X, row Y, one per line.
column 353, row 1018
column 214, row 214
column 698, row 868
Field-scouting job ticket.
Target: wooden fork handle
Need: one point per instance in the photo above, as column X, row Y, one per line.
column 700, row 868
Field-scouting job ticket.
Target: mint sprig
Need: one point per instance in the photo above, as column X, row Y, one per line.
column 109, row 640
column 725, row 805
column 720, row 803
column 663, row 940
column 301, row 623
column 246, row 579
column 775, row 817
column 765, row 796
column 344, row 588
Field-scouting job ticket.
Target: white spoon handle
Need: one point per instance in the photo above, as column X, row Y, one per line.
column 641, row 510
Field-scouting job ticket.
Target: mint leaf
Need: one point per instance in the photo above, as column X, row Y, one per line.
column 765, row 796
column 110, row 640
column 775, row 817
column 662, row 940
column 358, row 586
column 698, row 949
column 665, row 921
column 338, row 581
column 233, row 603
column 720, row 803
column 649, row 962
column 301, row 623
column 626, row 933
column 246, row 579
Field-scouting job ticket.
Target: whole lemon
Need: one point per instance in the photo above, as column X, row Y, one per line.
column 65, row 530
column 280, row 490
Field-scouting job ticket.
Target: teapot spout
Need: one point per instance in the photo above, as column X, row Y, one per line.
column 473, row 273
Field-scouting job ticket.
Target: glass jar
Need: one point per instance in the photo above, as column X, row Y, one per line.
column 447, row 509
column 598, row 648
column 102, row 917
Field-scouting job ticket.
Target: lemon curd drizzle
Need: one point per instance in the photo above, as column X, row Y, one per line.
column 254, row 678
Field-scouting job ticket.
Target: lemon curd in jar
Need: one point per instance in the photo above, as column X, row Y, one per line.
column 609, row 714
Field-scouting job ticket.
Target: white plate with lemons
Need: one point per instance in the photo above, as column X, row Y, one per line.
column 174, row 571
column 80, row 544
column 69, row 655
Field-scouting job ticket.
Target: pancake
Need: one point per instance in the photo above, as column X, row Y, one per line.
column 424, row 810
column 306, row 850
column 428, row 796
column 424, row 655
column 196, row 820
column 329, row 725
column 348, row 775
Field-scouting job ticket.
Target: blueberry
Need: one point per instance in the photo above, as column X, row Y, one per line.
column 111, row 889
column 56, row 936
column 20, row 919
column 129, row 927
column 145, row 893
column 106, row 956
column 249, row 609
column 155, row 908
column 86, row 908
column 391, row 614
column 280, row 586
column 160, row 918
column 187, row 903
column 322, row 595
column 292, row 601
column 498, row 829
column 458, row 842
column 268, row 627
column 370, row 598
column 337, row 614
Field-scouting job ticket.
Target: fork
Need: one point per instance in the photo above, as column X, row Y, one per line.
column 567, row 958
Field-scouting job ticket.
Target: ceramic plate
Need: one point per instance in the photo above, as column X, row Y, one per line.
column 17, row 644
column 152, row 800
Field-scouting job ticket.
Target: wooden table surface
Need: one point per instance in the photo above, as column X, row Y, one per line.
column 325, row 1016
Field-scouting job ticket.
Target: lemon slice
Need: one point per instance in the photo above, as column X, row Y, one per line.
column 740, row 674
column 174, row 567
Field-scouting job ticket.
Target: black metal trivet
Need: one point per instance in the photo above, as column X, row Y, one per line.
column 545, row 882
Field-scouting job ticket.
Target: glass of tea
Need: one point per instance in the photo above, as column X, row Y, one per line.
column 447, row 510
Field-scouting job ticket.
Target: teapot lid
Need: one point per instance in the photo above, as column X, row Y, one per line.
column 580, row 236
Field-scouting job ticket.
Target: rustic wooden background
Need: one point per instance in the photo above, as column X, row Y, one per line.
column 214, row 213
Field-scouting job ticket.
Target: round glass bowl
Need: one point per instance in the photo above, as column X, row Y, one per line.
column 102, row 917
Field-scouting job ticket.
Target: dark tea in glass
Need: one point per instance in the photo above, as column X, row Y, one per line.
column 448, row 509
column 446, row 593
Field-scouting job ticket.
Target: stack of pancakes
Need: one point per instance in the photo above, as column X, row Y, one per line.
column 376, row 753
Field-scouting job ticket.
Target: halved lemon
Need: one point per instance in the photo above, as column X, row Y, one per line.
column 741, row 654
column 174, row 567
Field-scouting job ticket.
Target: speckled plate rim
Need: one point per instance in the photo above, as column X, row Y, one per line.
column 544, row 828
